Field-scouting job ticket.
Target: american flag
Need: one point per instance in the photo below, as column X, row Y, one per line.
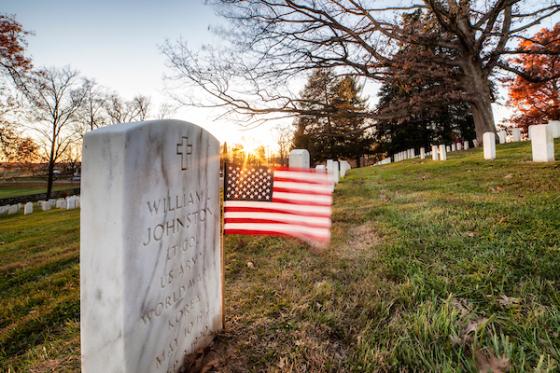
column 292, row 202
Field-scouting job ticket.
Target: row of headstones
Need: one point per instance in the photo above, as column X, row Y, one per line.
column 67, row 203
column 542, row 141
column 299, row 158
column 438, row 152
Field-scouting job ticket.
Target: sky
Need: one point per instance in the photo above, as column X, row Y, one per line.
column 117, row 43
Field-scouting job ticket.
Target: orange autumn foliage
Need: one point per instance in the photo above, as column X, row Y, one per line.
column 537, row 103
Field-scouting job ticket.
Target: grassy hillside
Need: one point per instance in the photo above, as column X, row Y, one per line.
column 17, row 189
column 433, row 266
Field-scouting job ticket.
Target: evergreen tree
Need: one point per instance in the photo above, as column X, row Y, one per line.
column 339, row 133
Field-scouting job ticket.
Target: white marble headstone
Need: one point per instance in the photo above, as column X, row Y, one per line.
column 502, row 137
column 516, row 134
column 555, row 126
column 28, row 208
column 466, row 145
column 443, row 152
column 489, row 144
column 542, row 143
column 298, row 158
column 150, row 255
column 434, row 153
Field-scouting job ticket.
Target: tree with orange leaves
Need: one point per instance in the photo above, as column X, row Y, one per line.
column 538, row 102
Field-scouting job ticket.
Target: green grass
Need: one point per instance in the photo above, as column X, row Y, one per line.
column 18, row 189
column 434, row 266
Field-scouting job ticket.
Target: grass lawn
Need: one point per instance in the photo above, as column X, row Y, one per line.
column 17, row 189
column 434, row 266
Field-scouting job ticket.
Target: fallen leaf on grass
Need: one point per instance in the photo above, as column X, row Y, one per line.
column 506, row 301
column 462, row 306
column 471, row 328
column 470, row 234
column 250, row 265
column 497, row 189
column 508, row 176
column 488, row 362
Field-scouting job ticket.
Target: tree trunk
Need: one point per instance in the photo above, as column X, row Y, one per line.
column 50, row 171
column 483, row 117
column 477, row 84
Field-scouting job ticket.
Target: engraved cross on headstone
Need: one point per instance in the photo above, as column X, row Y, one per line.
column 184, row 149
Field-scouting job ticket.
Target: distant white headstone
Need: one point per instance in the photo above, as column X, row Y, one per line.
column 61, row 203
column 542, row 143
column 150, row 258
column 332, row 169
column 502, row 136
column 70, row 203
column 489, row 143
column 45, row 205
column 453, row 147
column 448, row 148
column 516, row 134
column 434, row 153
column 28, row 208
column 443, row 152
column 299, row 158
column 475, row 143
column 555, row 126
column 321, row 168
column 422, row 153
column 13, row 209
column 52, row 202
column 466, row 145
column 459, row 146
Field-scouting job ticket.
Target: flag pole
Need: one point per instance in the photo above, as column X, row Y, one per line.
column 222, row 245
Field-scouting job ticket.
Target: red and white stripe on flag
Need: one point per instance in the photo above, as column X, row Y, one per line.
column 291, row 202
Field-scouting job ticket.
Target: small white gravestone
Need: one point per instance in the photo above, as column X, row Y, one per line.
column 422, row 153
column 542, row 143
column 443, row 152
column 555, row 126
column 453, row 147
column 475, row 143
column 52, row 202
column 459, row 146
column 502, row 137
column 70, row 203
column 61, row 203
column 466, row 145
column 4, row 210
column 45, row 205
column 13, row 209
column 28, row 208
column 448, row 148
column 332, row 169
column 321, row 168
column 489, row 143
column 516, row 134
column 434, row 152
column 150, row 265
column 298, row 158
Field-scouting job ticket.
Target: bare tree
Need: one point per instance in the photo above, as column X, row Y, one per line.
column 166, row 111
column 273, row 41
column 285, row 136
column 92, row 114
column 120, row 111
column 55, row 96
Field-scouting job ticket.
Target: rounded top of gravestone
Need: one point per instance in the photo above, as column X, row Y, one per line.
column 299, row 151
column 121, row 128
